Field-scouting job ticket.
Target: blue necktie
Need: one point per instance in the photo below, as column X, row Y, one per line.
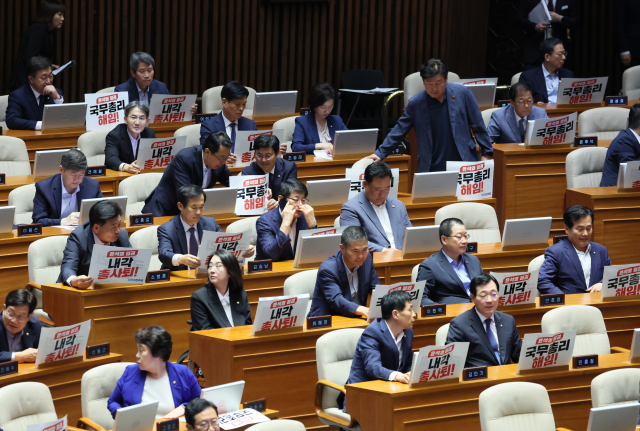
column 193, row 242
column 233, row 135
column 492, row 340
column 521, row 127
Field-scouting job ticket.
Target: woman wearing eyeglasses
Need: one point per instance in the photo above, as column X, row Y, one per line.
column 222, row 302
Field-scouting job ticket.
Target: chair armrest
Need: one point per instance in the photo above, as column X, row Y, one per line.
column 34, row 285
column 83, row 423
column 318, row 404
column 46, row 321
column 563, row 429
column 619, row 350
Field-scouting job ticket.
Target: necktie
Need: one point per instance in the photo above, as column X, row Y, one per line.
column 193, row 242
column 550, row 6
column 521, row 127
column 233, row 135
column 41, row 104
column 492, row 340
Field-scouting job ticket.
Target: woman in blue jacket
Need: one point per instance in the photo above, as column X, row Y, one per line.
column 154, row 378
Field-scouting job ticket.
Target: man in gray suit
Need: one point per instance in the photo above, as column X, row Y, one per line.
column 382, row 217
column 448, row 273
column 508, row 125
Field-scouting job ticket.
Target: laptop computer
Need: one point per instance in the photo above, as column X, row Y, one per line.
column 434, row 185
column 328, row 192
column 275, row 104
column 421, row 239
column 227, row 398
column 220, row 201
column 355, row 142
column 64, row 116
column 86, row 205
column 526, row 231
column 315, row 245
column 7, row 215
column 485, row 94
column 617, row 417
column 47, row 163
column 139, row 417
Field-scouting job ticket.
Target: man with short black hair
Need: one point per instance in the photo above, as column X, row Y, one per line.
column 201, row 415
column 58, row 198
column 102, row 228
column 20, row 330
column 624, row 148
column 346, row 279
column 384, row 218
column 576, row 264
column 448, row 273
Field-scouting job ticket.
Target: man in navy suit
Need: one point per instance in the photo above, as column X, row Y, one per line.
column 576, row 264
column 544, row 80
column 624, row 148
column 382, row 217
column 26, row 104
column 20, row 330
column 267, row 161
column 384, row 351
column 346, row 279
column 441, row 116
column 508, row 125
column 58, row 198
column 278, row 229
column 102, row 228
column 123, row 142
column 448, row 273
column 202, row 165
column 492, row 336
column 179, row 238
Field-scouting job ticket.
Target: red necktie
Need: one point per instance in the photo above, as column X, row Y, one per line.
column 550, row 7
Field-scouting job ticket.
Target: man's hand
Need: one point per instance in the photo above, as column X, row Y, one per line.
column 595, row 288
column 232, row 159
column 555, row 17
column 373, row 157
column 403, row 378
column 70, row 220
column 27, row 355
column 626, row 59
column 288, row 216
column 541, row 27
column 189, row 260
column 54, row 67
column 194, row 110
column 309, row 214
column 249, row 251
column 51, row 91
column 175, row 413
column 283, row 148
column 132, row 168
column 82, row 281
column 271, row 204
column 325, row 146
column 362, row 311
column 484, row 158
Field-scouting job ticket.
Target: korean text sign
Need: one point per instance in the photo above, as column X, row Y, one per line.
column 235, row 243
column 105, row 110
column 119, row 265
column 158, row 153
column 357, row 179
column 475, row 179
column 280, row 312
column 252, row 193
column 166, row 108
column 551, row 131
column 621, row 280
column 439, row 363
column 56, row 425
column 63, row 342
column 546, row 350
column 516, row 287
column 415, row 290
column 244, row 149
column 574, row 91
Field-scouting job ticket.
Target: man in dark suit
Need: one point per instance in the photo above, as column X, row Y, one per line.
column 103, row 228
column 448, row 273
column 624, row 148
column 123, row 142
column 58, row 198
column 178, row 243
column 267, row 161
column 384, row 351
column 441, row 116
column 26, row 104
column 278, row 229
column 544, row 80
column 382, row 217
column 625, row 15
column 346, row 279
column 492, row 336
column 202, row 165
column 20, row 330
column 574, row 265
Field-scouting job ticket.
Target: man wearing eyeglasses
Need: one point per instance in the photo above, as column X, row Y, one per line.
column 492, row 336
column 201, row 415
column 544, row 80
column 203, row 165
column 448, row 273
column 508, row 125
column 20, row 331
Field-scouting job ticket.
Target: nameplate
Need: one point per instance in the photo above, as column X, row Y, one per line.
column 3, row 178
column 317, row 322
column 201, row 118
column 296, row 156
column 306, row 111
column 585, row 141
column 259, row 405
column 503, row 103
column 616, row 100
column 0, row 130
column 141, row 220
column 260, row 266
column 432, row 310
column 30, row 229
column 8, row 368
column 584, row 361
column 96, row 171
column 472, row 247
column 97, row 350
column 168, row 425
column 159, row 275
column 474, row 373
column 397, row 151
column 558, row 238
column 552, row 299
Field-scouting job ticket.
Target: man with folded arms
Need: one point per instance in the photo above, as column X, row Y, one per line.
column 20, row 330
column 624, row 148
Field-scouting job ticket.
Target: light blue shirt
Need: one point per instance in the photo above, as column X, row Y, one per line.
column 552, row 81
column 461, row 270
column 69, row 201
column 15, row 343
column 143, row 96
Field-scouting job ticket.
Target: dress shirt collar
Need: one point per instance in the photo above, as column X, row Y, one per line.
column 635, row 134
column 397, row 340
column 546, row 73
column 186, row 226
column 482, row 318
column 35, row 93
column 355, row 269
column 64, row 189
column 518, row 118
column 227, row 122
column 458, row 263
column 146, row 92
column 131, row 138
column 98, row 241
column 382, row 206
column 273, row 170
column 224, row 299
column 587, row 251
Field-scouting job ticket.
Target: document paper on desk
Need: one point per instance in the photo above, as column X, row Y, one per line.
column 244, row 150
column 158, row 152
column 357, row 179
column 105, row 111
column 551, row 131
column 415, row 290
column 235, row 243
column 475, row 179
column 240, row 418
column 439, row 362
column 574, row 91
column 56, row 425
column 252, row 195
column 166, row 108
column 546, row 350
column 620, row 280
column 63, row 342
column 516, row 287
column 119, row 264
column 279, row 312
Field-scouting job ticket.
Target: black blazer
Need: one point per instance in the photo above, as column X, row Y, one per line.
column 535, row 79
column 442, row 284
column 47, row 203
column 30, row 338
column 118, row 146
column 625, row 22
column 207, row 311
column 36, row 40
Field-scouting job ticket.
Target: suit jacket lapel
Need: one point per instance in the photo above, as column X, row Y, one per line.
column 388, row 338
column 217, row 308
column 344, row 281
column 447, row 267
column 511, row 119
column 182, row 237
column 199, row 168
column 332, row 130
column 396, row 227
column 125, row 143
column 236, row 313
column 312, row 128
column 57, row 195
column 452, row 107
column 370, row 212
column 573, row 257
column 502, row 341
column 541, row 83
column 33, row 102
column 594, row 264
column 477, row 326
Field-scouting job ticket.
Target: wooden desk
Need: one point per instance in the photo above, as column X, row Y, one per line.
column 616, row 220
column 271, row 414
column 63, row 381
column 555, row 110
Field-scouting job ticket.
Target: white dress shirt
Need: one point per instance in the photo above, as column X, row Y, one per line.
column 159, row 390
column 493, row 326
column 552, row 81
column 69, row 202
column 96, row 240
column 352, row 277
column 383, row 216
column 186, row 227
column 323, row 132
column 143, row 96
column 636, row 135
column 37, row 95
column 134, row 146
column 398, row 341
column 585, row 262
column 206, row 173
column 226, row 125
column 226, row 305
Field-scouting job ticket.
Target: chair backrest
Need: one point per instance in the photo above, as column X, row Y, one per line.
column 336, row 222
column 92, row 145
column 605, row 123
column 516, row 406
column 536, row 263
column 107, row 90
column 4, row 101
column 584, row 167
column 515, row 78
column 615, row 387
column 24, row 404
column 212, row 101
column 97, row 385
column 22, row 198
column 441, row 335
column 192, row 132
column 334, row 355
column 414, row 273
column 44, row 258
column 14, row 159
column 147, row 238
column 287, row 124
column 486, row 115
column 362, row 163
column 278, row 425
column 301, row 283
column 136, row 189
column 245, row 224
column 631, row 82
column 591, row 332
column 480, row 220
column 413, row 84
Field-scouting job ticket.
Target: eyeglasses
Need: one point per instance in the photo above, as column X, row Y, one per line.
column 525, row 102
column 135, row 118
column 298, row 202
column 45, row 78
column 265, row 157
column 223, row 159
column 22, row 318
column 213, row 423
column 485, row 296
column 562, row 54
column 459, row 236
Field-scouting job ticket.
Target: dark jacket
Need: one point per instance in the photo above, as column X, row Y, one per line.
column 36, row 40
column 535, row 79
column 172, row 239
column 624, row 148
column 442, row 283
column 207, row 311
column 284, row 170
column 47, row 203
column 23, row 112
column 30, row 337
column 118, row 147
column 156, row 87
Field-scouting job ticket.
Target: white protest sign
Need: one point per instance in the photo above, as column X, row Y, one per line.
column 105, row 111
column 119, row 265
column 158, row 153
column 546, row 350
column 516, row 287
column 551, row 131
column 56, row 425
column 475, row 179
column 620, row 280
column 415, row 290
column 632, row 175
column 280, row 312
column 252, row 193
column 357, row 178
column 165, row 108
column 61, row 343
column 438, row 362
column 574, row 91
column 240, row 418
column 235, row 243
column 244, row 150
column 475, row 81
